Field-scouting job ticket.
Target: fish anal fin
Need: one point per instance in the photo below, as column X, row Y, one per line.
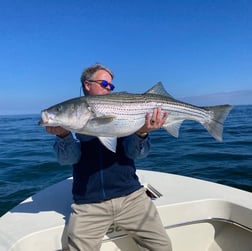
column 173, row 128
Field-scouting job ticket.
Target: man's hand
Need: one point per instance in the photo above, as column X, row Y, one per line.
column 57, row 130
column 153, row 122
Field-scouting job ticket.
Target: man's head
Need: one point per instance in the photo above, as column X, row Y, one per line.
column 96, row 80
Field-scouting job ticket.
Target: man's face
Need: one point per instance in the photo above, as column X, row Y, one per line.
column 96, row 88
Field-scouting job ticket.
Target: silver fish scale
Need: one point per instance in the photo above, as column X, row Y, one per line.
column 139, row 104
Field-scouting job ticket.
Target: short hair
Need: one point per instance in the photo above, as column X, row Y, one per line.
column 91, row 70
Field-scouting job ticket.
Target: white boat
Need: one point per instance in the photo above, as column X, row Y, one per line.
column 197, row 215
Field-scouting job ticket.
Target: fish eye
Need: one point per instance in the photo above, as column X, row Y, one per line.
column 72, row 107
column 59, row 108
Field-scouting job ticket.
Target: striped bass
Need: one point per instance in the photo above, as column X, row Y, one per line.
column 120, row 114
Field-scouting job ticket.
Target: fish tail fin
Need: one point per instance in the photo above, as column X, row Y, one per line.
column 219, row 114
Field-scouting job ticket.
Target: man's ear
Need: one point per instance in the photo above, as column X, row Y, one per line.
column 86, row 86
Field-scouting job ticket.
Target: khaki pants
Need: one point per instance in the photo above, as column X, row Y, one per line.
column 135, row 213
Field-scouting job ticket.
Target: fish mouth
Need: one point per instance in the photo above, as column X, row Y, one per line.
column 44, row 118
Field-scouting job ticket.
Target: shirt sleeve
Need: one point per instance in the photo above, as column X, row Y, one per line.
column 136, row 147
column 67, row 150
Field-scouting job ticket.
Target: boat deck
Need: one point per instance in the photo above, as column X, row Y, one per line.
column 198, row 215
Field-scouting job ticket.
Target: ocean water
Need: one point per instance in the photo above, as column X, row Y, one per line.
column 28, row 163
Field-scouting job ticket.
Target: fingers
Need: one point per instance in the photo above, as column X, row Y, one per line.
column 154, row 121
column 57, row 130
column 157, row 119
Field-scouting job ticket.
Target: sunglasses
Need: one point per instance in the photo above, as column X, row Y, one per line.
column 103, row 83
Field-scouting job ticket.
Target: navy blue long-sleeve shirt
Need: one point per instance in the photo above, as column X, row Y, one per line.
column 98, row 173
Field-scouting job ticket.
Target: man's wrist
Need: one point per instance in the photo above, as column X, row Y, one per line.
column 63, row 135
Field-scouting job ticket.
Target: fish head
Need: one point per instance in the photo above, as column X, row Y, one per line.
column 71, row 115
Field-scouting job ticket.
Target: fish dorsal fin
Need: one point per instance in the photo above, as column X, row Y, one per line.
column 109, row 142
column 158, row 88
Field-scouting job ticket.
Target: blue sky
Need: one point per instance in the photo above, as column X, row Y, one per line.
column 195, row 47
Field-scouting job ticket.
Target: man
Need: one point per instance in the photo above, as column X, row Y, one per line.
column 106, row 189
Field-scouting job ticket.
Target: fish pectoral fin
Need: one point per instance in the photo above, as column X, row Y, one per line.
column 109, row 142
column 103, row 119
column 173, row 128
